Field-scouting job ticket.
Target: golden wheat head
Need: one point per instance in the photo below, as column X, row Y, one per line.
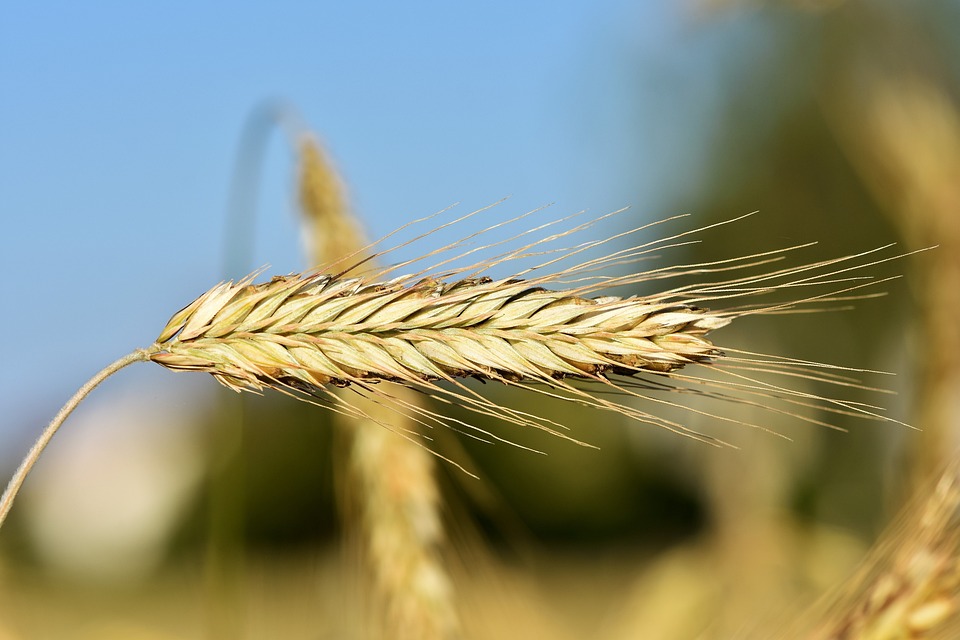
column 308, row 331
column 550, row 332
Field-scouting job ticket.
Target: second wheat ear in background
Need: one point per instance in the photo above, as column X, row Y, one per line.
column 550, row 328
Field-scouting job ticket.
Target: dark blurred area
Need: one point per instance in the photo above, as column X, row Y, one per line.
column 838, row 122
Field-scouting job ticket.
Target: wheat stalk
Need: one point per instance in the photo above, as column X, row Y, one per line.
column 302, row 334
column 13, row 487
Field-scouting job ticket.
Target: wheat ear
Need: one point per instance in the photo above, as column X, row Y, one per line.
column 304, row 332
column 300, row 334
column 909, row 586
column 392, row 479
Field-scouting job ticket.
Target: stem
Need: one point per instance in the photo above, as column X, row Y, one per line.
column 14, row 486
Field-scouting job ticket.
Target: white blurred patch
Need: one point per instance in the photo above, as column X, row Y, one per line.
column 107, row 495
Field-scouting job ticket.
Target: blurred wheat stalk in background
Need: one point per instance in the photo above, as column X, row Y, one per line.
column 391, row 480
column 901, row 130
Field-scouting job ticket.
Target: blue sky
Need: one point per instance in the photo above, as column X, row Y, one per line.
column 119, row 124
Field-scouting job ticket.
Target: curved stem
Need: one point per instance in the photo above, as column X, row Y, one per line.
column 14, row 485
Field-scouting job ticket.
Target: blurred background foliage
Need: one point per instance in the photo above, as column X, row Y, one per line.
column 838, row 121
